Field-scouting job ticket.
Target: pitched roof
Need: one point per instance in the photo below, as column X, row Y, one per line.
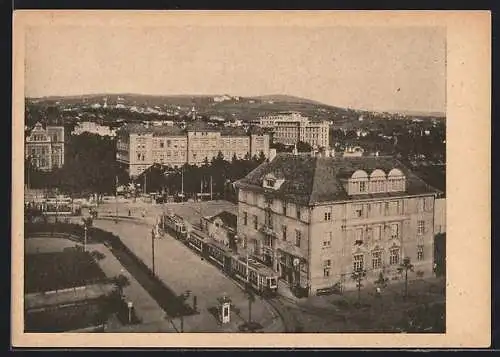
column 312, row 180
column 163, row 130
column 228, row 219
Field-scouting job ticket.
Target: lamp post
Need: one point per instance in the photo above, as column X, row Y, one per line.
column 153, row 249
column 130, row 305
column 183, row 297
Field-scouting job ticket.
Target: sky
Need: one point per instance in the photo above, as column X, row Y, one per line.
column 377, row 68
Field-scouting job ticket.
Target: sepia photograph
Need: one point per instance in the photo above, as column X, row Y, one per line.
column 212, row 177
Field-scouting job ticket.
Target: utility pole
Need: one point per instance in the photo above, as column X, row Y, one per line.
column 182, row 183
column 153, row 249
column 211, row 190
column 116, row 198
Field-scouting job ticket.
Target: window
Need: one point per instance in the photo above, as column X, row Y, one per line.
column 362, row 186
column 420, row 252
column 255, row 222
column 269, row 201
column 358, row 263
column 270, row 182
column 420, row 227
column 394, row 231
column 327, row 264
column 420, row 204
column 358, row 211
column 284, row 232
column 245, row 218
column 298, row 212
column 284, row 208
column 327, row 242
column 161, row 144
column 269, row 218
column 376, row 259
column 377, row 232
column 394, row 256
column 428, row 204
column 298, row 237
column 138, row 156
column 359, row 235
column 328, row 216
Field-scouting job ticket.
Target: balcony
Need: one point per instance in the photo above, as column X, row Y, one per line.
column 268, row 230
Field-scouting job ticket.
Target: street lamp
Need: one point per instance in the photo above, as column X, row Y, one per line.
column 183, row 297
column 130, row 305
column 153, row 249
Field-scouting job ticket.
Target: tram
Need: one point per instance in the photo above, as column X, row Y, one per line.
column 174, row 225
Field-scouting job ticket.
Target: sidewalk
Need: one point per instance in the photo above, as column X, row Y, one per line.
column 182, row 269
column 145, row 306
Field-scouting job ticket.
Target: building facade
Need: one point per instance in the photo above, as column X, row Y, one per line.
column 291, row 127
column 317, row 219
column 139, row 146
column 44, row 147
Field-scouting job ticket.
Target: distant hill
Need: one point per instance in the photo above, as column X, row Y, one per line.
column 282, row 98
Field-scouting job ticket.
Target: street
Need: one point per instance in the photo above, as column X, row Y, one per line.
column 183, row 270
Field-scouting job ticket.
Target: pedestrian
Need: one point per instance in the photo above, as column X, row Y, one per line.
column 129, row 213
column 378, row 291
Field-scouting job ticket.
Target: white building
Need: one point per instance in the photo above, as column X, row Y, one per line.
column 93, row 128
column 291, row 127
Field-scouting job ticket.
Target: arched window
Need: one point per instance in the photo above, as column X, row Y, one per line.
column 396, row 181
column 358, row 183
column 377, row 181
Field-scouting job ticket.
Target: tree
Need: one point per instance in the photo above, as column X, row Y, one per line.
column 304, row 147
column 358, row 276
column 405, row 267
column 381, row 281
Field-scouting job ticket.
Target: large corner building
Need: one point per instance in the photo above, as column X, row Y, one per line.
column 316, row 219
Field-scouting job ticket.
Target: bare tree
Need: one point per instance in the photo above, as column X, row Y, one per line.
column 405, row 267
column 358, row 276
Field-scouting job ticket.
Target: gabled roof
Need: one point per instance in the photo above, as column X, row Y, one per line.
column 228, row 219
column 313, row 180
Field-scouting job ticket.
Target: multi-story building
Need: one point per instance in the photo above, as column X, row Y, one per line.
column 45, row 147
column 139, row 146
column 93, row 128
column 291, row 127
column 317, row 219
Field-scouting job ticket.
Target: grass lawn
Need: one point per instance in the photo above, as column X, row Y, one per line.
column 60, row 270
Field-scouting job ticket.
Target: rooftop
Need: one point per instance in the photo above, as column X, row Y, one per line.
column 313, row 180
column 228, row 219
column 163, row 130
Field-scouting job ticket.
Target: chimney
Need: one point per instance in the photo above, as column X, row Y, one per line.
column 272, row 154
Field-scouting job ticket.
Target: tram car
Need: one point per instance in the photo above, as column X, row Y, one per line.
column 175, row 225
column 219, row 255
column 198, row 241
column 262, row 279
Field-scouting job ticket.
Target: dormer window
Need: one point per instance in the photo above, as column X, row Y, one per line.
column 358, row 183
column 270, row 182
column 396, row 181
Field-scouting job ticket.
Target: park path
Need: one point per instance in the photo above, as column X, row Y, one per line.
column 182, row 269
